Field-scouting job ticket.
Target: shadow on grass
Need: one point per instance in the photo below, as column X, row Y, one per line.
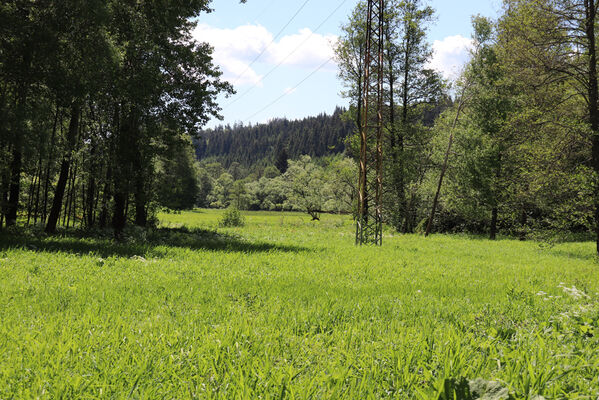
column 147, row 243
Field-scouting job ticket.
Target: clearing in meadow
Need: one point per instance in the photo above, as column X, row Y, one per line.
column 289, row 308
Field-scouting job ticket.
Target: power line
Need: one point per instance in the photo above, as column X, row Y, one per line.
column 289, row 91
column 242, row 95
column 265, row 9
column 272, row 41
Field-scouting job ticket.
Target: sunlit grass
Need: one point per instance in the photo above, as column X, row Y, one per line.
column 289, row 308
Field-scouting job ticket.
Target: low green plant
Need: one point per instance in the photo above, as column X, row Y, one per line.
column 232, row 217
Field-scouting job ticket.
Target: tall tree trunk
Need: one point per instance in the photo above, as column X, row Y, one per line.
column 64, row 169
column 400, row 187
column 494, row 214
column 495, row 210
column 90, row 200
column 396, row 174
column 30, row 196
column 141, row 197
column 141, row 200
column 16, row 165
column 66, row 205
column 359, row 102
column 106, row 195
column 38, row 188
column 119, row 217
column 4, row 194
column 124, row 146
column 523, row 223
column 48, row 166
column 91, row 187
column 429, row 225
column 593, row 100
column 72, row 197
column 15, row 185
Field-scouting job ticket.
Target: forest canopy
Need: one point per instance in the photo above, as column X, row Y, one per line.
column 93, row 95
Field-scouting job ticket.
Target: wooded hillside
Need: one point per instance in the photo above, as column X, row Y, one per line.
column 315, row 136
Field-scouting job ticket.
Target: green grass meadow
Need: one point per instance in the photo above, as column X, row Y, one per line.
column 289, row 308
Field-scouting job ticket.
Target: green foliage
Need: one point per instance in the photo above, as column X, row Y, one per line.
column 178, row 177
column 284, row 306
column 282, row 160
column 232, row 217
column 220, row 197
column 92, row 96
column 521, row 145
column 413, row 95
column 275, row 141
column 463, row 389
column 315, row 186
column 306, row 184
column 271, row 172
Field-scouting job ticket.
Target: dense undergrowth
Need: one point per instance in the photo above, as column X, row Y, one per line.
column 289, row 308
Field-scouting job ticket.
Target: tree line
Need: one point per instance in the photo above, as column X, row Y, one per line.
column 317, row 136
column 517, row 148
column 98, row 99
column 306, row 184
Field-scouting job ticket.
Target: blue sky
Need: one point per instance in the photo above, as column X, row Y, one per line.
column 279, row 64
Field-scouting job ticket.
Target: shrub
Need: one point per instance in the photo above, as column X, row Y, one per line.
column 232, row 217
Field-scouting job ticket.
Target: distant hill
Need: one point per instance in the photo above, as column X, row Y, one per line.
column 317, row 136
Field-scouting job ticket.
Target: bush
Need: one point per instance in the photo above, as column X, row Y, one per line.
column 232, row 217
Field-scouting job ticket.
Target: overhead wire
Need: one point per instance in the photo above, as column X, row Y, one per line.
column 242, row 95
column 272, row 41
column 265, row 9
column 287, row 92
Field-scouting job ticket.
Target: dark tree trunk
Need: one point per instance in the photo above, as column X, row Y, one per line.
column 141, row 200
column 141, row 197
column 408, row 225
column 523, row 223
column 4, row 198
column 360, row 90
column 16, row 166
column 48, row 167
column 95, row 205
column 394, row 141
column 125, row 154
column 90, row 201
column 71, row 209
column 493, row 234
column 30, row 196
column 119, row 217
column 495, row 211
column 14, row 190
column 37, row 190
column 400, row 188
column 593, row 100
column 315, row 214
column 34, row 191
column 66, row 206
column 64, row 170
column 103, row 218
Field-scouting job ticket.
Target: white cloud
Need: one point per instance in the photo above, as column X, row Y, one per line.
column 289, row 90
column 450, row 55
column 235, row 49
column 304, row 49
